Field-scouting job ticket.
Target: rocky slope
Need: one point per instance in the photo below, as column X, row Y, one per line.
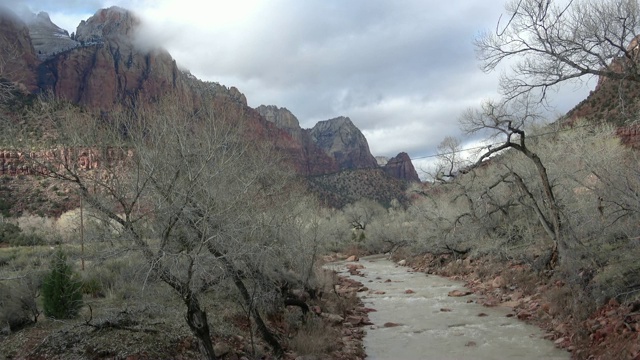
column 346, row 187
column 614, row 101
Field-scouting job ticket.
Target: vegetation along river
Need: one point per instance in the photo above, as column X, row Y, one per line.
column 415, row 318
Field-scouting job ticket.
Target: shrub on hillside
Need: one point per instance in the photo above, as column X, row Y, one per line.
column 61, row 290
column 13, row 235
column 8, row 231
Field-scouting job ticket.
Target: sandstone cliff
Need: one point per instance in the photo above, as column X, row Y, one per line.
column 282, row 118
column 402, row 168
column 341, row 139
column 48, row 39
column 107, row 69
column 614, row 101
column 18, row 59
column 102, row 67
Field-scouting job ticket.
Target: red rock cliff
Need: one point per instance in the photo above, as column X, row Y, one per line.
column 402, row 168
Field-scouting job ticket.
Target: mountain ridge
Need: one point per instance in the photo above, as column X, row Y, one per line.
column 102, row 68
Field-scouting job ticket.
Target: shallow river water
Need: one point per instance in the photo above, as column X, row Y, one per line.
column 434, row 325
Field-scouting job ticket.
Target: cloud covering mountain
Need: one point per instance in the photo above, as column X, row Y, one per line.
column 403, row 72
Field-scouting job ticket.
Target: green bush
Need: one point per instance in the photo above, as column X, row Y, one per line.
column 23, row 239
column 61, row 290
column 8, row 231
column 12, row 234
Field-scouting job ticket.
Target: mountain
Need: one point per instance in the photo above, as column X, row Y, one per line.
column 101, row 67
column 107, row 69
column 337, row 138
column 312, row 159
column 341, row 139
column 401, row 167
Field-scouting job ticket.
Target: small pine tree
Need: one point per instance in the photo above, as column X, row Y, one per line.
column 61, row 290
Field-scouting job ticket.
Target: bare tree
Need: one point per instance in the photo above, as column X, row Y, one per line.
column 508, row 120
column 187, row 190
column 548, row 42
column 449, row 159
column 362, row 212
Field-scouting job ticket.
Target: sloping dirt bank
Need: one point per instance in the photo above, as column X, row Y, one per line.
column 610, row 332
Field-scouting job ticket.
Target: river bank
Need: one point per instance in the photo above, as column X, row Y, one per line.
column 418, row 316
column 609, row 332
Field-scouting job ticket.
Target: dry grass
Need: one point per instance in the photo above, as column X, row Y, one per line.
column 314, row 337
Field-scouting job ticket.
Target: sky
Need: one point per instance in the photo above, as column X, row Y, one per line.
column 403, row 71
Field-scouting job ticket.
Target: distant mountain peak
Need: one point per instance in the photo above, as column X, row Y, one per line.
column 48, row 38
column 282, row 117
column 340, row 138
column 114, row 23
column 402, row 168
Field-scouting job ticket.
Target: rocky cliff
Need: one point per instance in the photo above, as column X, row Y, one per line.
column 48, row 39
column 342, row 140
column 311, row 160
column 614, row 101
column 402, row 168
column 102, row 67
column 337, row 138
column 282, row 118
column 107, row 69
column 18, row 59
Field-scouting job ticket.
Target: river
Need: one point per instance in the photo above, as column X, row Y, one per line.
column 429, row 324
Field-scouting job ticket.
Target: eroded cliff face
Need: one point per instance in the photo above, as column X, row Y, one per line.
column 310, row 158
column 342, row 140
column 402, row 168
column 282, row 118
column 614, row 100
column 103, row 67
column 48, row 38
column 107, row 68
column 18, row 59
column 339, row 140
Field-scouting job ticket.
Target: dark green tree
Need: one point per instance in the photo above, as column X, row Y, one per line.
column 61, row 289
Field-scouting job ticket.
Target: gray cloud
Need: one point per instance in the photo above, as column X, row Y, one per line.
column 402, row 71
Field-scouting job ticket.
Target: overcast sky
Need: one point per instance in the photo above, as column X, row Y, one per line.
column 403, row 71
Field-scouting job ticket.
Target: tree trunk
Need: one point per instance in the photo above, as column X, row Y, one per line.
column 197, row 320
column 262, row 327
column 560, row 246
column 237, row 280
